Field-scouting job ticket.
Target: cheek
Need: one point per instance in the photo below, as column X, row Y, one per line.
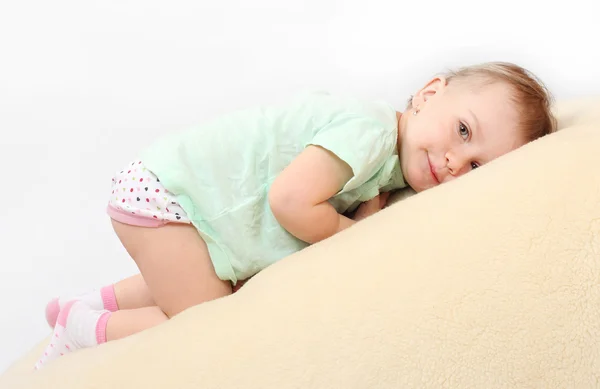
column 417, row 137
column 412, row 170
column 427, row 133
column 429, row 126
column 438, row 135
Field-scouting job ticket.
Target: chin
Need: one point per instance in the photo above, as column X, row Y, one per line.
column 414, row 184
column 414, row 178
column 419, row 186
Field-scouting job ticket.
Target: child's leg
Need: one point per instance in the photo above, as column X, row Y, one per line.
column 130, row 293
column 79, row 326
column 175, row 264
column 131, row 321
column 176, row 267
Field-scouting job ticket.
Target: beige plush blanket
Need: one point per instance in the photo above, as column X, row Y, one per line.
column 490, row 281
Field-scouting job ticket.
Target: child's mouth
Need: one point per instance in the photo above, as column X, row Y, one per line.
column 432, row 171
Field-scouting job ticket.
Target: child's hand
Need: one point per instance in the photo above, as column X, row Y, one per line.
column 372, row 206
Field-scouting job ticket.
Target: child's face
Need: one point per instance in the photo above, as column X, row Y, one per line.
column 459, row 127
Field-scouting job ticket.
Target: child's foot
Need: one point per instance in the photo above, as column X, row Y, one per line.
column 77, row 326
column 97, row 299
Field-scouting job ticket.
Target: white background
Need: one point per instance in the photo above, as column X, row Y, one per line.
column 85, row 84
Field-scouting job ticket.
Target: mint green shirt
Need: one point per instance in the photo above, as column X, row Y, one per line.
column 221, row 171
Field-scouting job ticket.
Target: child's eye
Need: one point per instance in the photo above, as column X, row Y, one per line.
column 474, row 165
column 463, row 131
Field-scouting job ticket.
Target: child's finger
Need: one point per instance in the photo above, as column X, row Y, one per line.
column 368, row 208
column 372, row 205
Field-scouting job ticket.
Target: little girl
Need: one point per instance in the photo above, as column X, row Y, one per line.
column 204, row 209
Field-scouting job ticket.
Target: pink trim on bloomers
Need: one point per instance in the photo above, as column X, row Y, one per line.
column 134, row 220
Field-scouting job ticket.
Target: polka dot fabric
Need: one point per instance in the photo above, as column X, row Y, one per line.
column 137, row 194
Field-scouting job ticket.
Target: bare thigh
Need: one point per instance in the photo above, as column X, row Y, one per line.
column 132, row 293
column 175, row 264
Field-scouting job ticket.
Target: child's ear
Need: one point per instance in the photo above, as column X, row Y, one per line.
column 435, row 85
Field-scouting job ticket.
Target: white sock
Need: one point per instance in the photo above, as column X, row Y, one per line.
column 78, row 326
column 93, row 299
column 103, row 298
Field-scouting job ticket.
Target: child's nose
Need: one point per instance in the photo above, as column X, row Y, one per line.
column 457, row 164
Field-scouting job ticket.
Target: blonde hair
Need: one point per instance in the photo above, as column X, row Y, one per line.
column 533, row 101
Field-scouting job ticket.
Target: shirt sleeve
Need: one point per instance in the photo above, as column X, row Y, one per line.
column 363, row 143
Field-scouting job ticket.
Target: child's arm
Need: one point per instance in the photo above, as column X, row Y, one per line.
column 298, row 196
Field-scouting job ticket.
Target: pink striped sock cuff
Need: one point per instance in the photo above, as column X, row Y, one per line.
column 101, row 327
column 109, row 300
